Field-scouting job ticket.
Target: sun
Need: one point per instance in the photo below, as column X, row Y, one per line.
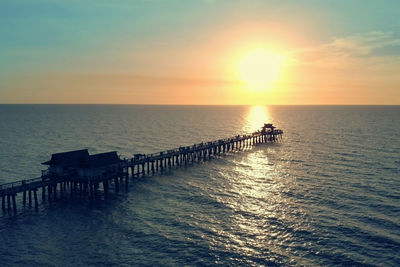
column 260, row 68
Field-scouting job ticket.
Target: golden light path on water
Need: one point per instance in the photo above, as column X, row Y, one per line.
column 253, row 189
column 256, row 117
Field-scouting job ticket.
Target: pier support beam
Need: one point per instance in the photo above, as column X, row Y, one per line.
column 30, row 198
column 91, row 190
column 35, row 197
column 49, row 192
column 116, row 184
column 105, row 187
column 14, row 202
column 55, row 192
column 3, row 203
column 126, row 176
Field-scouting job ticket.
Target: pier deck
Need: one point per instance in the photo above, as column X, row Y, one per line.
column 52, row 186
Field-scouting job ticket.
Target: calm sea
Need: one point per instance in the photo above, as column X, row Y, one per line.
column 328, row 195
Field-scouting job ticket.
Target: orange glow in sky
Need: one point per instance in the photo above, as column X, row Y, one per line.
column 225, row 53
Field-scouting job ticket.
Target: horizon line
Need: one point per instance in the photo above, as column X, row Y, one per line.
column 124, row 104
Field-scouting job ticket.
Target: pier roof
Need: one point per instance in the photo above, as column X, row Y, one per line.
column 69, row 159
column 268, row 125
column 102, row 159
column 82, row 159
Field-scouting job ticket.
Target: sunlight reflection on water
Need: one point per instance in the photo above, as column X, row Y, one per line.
column 253, row 191
column 256, row 117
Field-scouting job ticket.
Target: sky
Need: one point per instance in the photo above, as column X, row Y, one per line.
column 303, row 52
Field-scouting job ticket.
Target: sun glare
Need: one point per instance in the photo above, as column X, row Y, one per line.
column 260, row 68
column 256, row 117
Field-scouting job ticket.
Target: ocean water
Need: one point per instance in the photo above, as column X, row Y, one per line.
column 328, row 195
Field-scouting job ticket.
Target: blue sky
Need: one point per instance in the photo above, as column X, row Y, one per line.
column 39, row 38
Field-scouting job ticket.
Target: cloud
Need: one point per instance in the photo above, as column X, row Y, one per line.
column 363, row 44
column 374, row 48
column 357, row 69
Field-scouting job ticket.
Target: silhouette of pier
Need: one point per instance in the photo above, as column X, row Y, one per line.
column 77, row 174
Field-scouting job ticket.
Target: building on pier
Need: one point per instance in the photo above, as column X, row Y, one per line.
column 66, row 163
column 107, row 163
column 79, row 164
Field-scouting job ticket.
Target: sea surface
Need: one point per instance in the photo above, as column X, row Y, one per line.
column 328, row 195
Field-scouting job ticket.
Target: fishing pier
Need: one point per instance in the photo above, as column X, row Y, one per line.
column 77, row 174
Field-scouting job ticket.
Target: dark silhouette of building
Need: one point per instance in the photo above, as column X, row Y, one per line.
column 80, row 164
column 267, row 128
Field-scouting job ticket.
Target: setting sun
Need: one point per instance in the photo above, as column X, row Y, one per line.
column 259, row 68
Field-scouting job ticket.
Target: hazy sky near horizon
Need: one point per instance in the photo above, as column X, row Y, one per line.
column 188, row 52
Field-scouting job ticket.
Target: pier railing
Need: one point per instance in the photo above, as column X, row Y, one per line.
column 199, row 146
column 19, row 183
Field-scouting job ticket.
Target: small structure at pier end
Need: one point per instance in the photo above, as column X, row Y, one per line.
column 80, row 174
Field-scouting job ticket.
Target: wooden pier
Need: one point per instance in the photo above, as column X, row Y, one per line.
column 77, row 174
